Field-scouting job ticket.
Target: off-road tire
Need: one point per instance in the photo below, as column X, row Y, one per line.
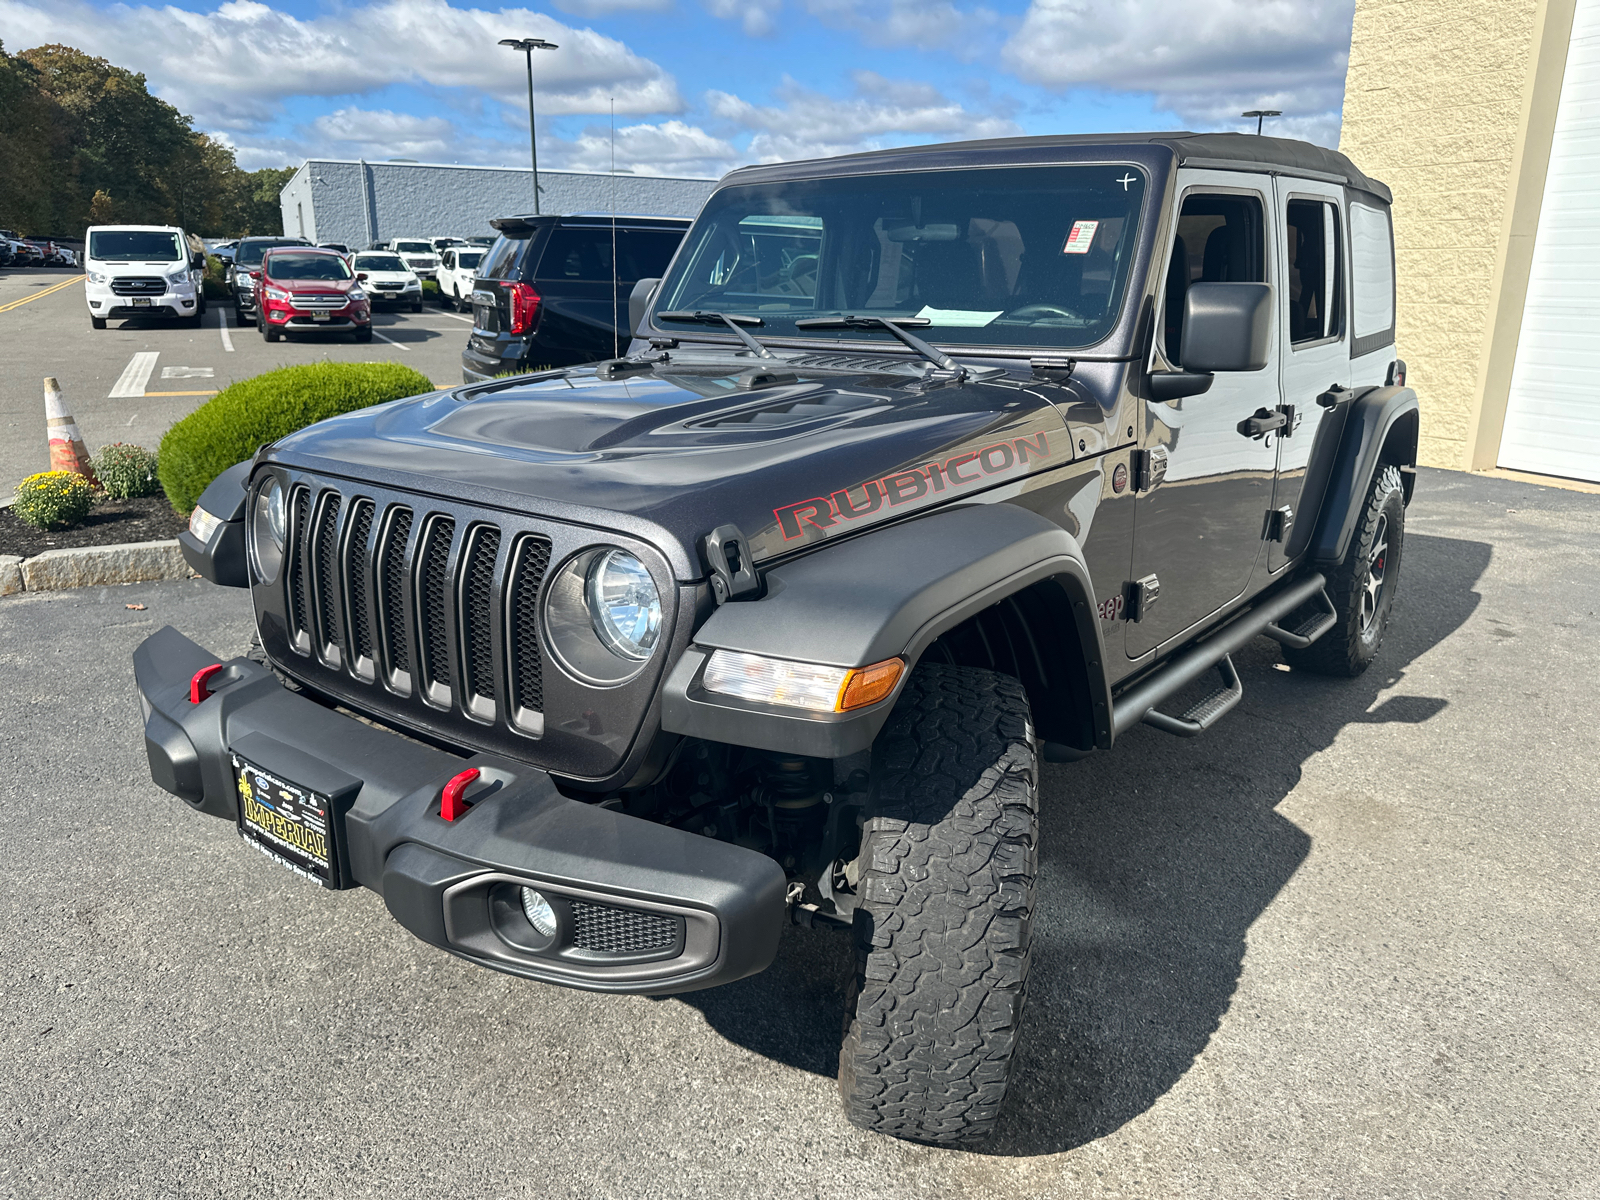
column 1376, row 545
column 944, row 919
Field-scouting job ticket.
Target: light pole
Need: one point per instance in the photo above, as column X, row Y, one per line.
column 528, row 46
column 1259, row 114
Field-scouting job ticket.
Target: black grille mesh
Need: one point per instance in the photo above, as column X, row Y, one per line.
column 522, row 601
column 620, row 930
column 327, row 565
column 477, row 615
column 354, row 576
column 392, row 589
column 299, row 609
column 434, row 577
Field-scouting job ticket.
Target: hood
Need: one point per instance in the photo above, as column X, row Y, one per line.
column 313, row 285
column 696, row 443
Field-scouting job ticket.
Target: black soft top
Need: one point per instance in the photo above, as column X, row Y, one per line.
column 1217, row 151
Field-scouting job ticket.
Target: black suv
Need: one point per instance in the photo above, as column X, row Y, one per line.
column 247, row 258
column 546, row 293
column 930, row 466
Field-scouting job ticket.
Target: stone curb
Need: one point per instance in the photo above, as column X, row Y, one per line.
column 91, row 566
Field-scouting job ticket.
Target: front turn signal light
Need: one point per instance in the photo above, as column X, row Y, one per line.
column 868, row 685
column 809, row 686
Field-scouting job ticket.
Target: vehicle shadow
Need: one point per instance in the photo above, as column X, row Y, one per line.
column 1155, row 861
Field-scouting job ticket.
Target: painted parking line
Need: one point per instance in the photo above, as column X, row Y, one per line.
column 222, row 318
column 135, row 375
column 455, row 317
column 49, row 291
column 391, row 341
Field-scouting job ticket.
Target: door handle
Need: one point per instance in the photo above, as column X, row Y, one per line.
column 1264, row 421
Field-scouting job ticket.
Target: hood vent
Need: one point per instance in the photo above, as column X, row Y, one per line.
column 810, row 407
column 857, row 362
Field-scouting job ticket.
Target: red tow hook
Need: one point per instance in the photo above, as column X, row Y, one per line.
column 200, row 685
column 453, row 804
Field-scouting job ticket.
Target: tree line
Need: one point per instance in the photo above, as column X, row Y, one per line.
column 83, row 142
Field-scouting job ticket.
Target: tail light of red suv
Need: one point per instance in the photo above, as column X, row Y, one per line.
column 524, row 304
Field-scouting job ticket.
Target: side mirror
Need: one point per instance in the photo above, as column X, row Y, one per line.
column 361, row 276
column 1227, row 327
column 639, row 303
column 255, row 274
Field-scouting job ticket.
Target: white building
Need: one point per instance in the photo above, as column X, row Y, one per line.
column 357, row 202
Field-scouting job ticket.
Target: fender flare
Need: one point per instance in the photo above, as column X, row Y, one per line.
column 885, row 594
column 1374, row 416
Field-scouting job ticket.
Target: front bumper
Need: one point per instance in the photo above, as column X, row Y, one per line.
column 448, row 882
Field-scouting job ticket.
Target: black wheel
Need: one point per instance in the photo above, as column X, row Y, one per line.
column 1362, row 586
column 242, row 318
column 416, row 306
column 97, row 322
column 944, row 919
column 268, row 334
column 364, row 333
column 462, row 303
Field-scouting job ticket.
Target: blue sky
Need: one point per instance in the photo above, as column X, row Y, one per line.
column 700, row 86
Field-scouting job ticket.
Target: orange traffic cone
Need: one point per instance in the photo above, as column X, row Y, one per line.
column 67, row 451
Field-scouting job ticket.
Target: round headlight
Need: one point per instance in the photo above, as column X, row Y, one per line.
column 602, row 616
column 269, row 529
column 624, row 605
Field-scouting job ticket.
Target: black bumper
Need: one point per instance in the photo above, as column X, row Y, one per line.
column 454, row 884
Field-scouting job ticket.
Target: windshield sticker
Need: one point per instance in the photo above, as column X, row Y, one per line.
column 1081, row 237
column 901, row 487
column 959, row 318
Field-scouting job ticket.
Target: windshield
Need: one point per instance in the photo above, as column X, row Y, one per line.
column 1023, row 256
column 413, row 247
column 467, row 261
column 380, row 262
column 134, row 245
column 250, row 253
column 286, row 264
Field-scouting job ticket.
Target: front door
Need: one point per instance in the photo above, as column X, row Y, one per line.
column 1199, row 529
column 1312, row 305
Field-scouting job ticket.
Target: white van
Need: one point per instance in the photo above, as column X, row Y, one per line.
column 143, row 271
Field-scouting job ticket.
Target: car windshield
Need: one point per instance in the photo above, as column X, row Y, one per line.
column 133, row 245
column 380, row 262
column 1023, row 256
column 286, row 264
column 250, row 253
column 413, row 247
column 466, row 260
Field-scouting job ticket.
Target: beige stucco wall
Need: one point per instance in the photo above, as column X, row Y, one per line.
column 1439, row 101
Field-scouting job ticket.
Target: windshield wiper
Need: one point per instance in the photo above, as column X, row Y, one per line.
column 893, row 324
column 732, row 320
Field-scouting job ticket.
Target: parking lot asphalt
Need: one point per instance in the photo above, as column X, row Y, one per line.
column 1343, row 946
column 44, row 330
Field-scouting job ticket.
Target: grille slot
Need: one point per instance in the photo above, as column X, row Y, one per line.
column 299, row 607
column 523, row 584
column 477, row 614
column 390, row 595
column 327, row 565
column 355, row 571
column 608, row 930
column 433, row 594
column 138, row 285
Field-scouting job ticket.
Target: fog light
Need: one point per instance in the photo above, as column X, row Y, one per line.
column 539, row 913
column 202, row 524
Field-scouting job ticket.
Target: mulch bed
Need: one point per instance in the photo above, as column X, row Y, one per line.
column 111, row 523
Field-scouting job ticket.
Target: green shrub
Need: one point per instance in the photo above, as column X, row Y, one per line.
column 241, row 418
column 53, row 499
column 126, row 471
column 215, row 282
column 430, row 289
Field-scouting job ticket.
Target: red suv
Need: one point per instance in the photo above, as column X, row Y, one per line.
column 305, row 288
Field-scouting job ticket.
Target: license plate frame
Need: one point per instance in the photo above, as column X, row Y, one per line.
column 143, row 302
column 294, row 825
column 322, row 317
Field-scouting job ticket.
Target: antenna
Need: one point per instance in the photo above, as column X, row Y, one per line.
column 616, row 315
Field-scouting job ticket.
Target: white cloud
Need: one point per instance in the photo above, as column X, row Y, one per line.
column 232, row 67
column 670, row 148
column 923, row 24
column 758, row 18
column 1204, row 61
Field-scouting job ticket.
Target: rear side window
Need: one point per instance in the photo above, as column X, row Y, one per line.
column 503, row 258
column 1219, row 240
column 1316, row 271
column 583, row 254
column 1372, row 277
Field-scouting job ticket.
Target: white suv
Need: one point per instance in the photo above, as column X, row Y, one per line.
column 458, row 268
column 142, row 271
column 418, row 254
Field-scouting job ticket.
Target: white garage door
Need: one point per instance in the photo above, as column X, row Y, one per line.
column 1553, row 413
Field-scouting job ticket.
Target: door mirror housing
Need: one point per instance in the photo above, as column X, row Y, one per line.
column 1175, row 385
column 639, row 303
column 361, row 276
column 255, row 274
column 1227, row 327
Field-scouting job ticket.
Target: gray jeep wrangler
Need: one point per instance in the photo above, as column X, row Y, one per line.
column 924, row 466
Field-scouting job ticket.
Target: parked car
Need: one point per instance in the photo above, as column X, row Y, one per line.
column 458, row 267
column 387, row 279
column 310, row 289
column 930, row 465
column 27, row 254
column 546, row 293
column 6, row 252
column 339, row 246
column 239, row 278
column 441, row 244
column 419, row 255
column 142, row 271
